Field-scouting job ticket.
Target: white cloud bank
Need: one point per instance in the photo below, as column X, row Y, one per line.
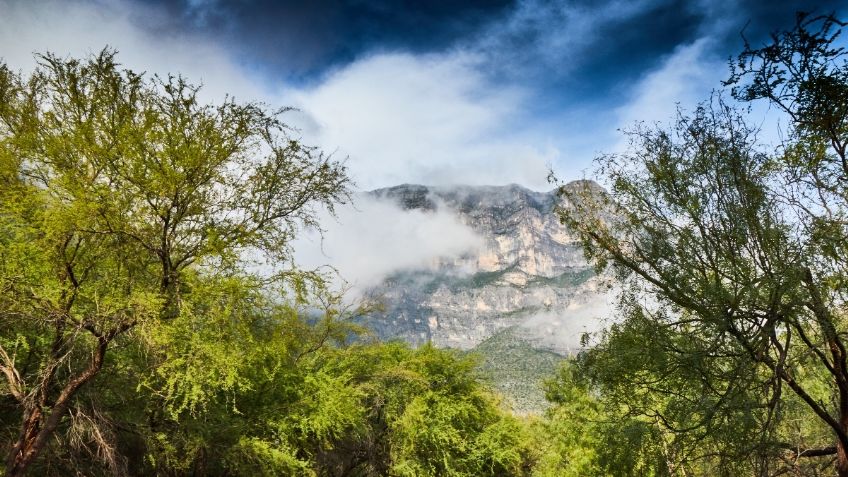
column 432, row 119
column 374, row 238
column 684, row 79
column 562, row 330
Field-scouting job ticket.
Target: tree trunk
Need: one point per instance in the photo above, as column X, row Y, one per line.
column 841, row 447
column 25, row 450
column 838, row 352
column 841, row 462
column 36, row 428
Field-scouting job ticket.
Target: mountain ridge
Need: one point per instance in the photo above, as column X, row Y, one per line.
column 526, row 296
column 530, row 264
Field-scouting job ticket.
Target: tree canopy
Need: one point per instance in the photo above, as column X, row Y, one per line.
column 142, row 334
column 732, row 326
column 123, row 196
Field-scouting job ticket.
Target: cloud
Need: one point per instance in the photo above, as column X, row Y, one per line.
column 490, row 109
column 684, row 79
column 433, row 119
column 563, row 330
column 297, row 39
column 80, row 28
column 374, row 238
column 400, row 117
column 553, row 34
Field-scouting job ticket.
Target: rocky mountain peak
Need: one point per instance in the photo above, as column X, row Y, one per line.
column 530, row 263
column 464, row 198
column 528, row 282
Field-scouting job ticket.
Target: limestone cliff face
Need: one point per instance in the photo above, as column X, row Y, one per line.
column 529, row 276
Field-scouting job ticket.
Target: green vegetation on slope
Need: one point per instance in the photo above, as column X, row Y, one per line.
column 517, row 370
column 569, row 279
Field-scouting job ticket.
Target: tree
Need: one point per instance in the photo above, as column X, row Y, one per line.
column 120, row 193
column 579, row 436
column 298, row 408
column 733, row 258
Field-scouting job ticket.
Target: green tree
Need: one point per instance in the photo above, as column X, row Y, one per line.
column 733, row 324
column 121, row 195
column 247, row 389
column 581, row 435
column 299, row 407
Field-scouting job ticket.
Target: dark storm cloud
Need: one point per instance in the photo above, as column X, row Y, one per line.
column 764, row 17
column 581, row 51
column 571, row 49
column 302, row 39
column 587, row 46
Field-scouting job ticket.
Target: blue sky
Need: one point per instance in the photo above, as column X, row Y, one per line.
column 430, row 92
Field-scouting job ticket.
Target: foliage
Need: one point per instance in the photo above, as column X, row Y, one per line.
column 365, row 409
column 732, row 323
column 122, row 197
column 138, row 338
column 517, row 369
column 581, row 436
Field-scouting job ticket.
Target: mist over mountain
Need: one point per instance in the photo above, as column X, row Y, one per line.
column 485, row 269
column 528, row 273
column 521, row 295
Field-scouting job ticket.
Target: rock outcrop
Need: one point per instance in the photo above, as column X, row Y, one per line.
column 530, row 276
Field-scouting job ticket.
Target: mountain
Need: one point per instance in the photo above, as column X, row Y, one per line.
column 530, row 272
column 526, row 294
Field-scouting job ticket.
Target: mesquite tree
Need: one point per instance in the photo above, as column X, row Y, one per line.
column 735, row 260
column 113, row 187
